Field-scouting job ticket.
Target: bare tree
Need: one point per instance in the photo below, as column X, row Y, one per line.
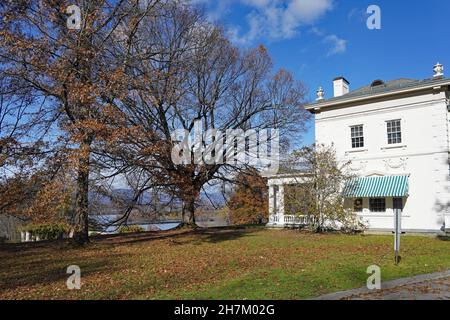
column 198, row 76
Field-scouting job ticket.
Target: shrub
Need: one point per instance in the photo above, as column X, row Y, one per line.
column 351, row 223
column 47, row 231
column 131, row 229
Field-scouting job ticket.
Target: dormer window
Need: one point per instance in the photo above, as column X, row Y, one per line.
column 357, row 133
column 377, row 83
column 394, row 131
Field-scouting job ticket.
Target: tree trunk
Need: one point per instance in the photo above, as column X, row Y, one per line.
column 81, row 228
column 189, row 213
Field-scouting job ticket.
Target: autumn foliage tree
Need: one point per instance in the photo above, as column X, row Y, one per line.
column 248, row 203
column 68, row 76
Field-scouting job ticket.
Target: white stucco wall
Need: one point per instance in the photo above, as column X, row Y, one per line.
column 423, row 153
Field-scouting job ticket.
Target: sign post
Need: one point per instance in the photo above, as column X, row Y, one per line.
column 397, row 234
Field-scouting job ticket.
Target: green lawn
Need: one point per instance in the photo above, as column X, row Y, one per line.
column 251, row 263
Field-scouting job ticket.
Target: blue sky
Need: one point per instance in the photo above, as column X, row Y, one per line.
column 320, row 39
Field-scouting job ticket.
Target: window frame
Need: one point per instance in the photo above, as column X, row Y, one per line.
column 357, row 136
column 394, row 132
column 381, row 206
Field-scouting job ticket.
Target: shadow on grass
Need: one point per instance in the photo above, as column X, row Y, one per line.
column 42, row 263
column 213, row 235
column 181, row 236
column 131, row 238
column 50, row 268
column 218, row 235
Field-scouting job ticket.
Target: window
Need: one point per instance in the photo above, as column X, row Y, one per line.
column 358, row 205
column 377, row 205
column 394, row 131
column 357, row 136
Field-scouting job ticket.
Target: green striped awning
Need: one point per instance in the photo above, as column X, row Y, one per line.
column 377, row 187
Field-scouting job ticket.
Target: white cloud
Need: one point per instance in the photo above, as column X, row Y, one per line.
column 307, row 11
column 316, row 31
column 338, row 45
column 220, row 8
column 272, row 19
column 277, row 20
column 258, row 3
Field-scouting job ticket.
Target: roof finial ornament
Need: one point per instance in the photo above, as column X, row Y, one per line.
column 438, row 70
column 320, row 94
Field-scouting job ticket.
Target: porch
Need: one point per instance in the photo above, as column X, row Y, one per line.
column 373, row 198
column 277, row 215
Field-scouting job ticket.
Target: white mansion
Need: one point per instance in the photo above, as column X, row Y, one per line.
column 397, row 136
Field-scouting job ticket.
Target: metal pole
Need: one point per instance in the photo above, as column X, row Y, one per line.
column 397, row 234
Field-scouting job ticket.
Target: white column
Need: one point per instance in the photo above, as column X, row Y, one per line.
column 27, row 236
column 271, row 200
column 272, row 209
column 280, row 204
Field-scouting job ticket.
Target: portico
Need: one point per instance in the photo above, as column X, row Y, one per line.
column 277, row 215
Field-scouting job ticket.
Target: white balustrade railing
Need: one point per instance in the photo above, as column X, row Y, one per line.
column 302, row 220
column 274, row 218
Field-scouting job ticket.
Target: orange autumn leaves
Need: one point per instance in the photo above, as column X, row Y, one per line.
column 248, row 203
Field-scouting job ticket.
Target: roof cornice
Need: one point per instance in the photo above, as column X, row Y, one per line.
column 343, row 101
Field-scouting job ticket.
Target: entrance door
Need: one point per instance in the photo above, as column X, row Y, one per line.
column 398, row 204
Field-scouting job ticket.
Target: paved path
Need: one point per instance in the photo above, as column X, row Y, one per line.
column 435, row 286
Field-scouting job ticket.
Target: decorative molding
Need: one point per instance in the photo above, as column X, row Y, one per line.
column 389, row 109
column 356, row 150
column 381, row 157
column 396, row 163
column 361, row 167
column 394, row 146
column 412, row 91
column 376, row 173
